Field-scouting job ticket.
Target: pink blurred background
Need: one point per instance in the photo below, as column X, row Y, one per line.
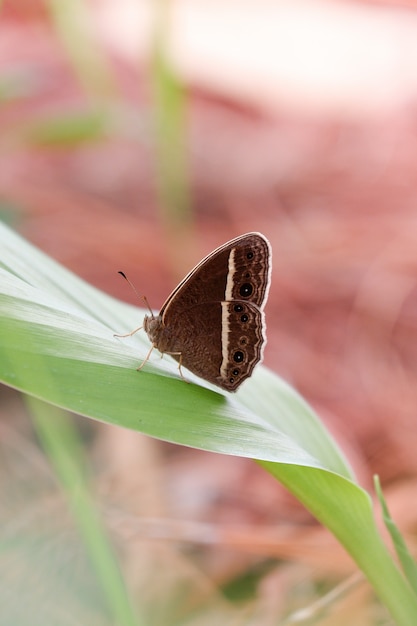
column 301, row 123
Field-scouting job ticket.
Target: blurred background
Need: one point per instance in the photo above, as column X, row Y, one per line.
column 139, row 135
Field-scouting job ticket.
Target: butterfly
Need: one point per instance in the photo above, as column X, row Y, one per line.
column 213, row 322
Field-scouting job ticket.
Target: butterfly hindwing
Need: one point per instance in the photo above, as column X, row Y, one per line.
column 227, row 359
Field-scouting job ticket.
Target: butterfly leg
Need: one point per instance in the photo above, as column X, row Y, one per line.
column 179, row 364
column 146, row 359
column 179, row 368
column 128, row 334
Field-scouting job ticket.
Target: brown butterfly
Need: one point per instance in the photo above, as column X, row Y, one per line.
column 213, row 322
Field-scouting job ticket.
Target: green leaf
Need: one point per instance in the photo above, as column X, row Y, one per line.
column 57, row 344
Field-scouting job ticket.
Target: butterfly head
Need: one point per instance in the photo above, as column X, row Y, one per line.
column 152, row 326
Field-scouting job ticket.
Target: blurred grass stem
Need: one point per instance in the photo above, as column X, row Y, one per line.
column 170, row 142
column 71, row 23
column 64, row 449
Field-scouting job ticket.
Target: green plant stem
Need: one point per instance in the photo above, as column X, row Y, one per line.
column 408, row 564
column 61, row 443
column 170, row 131
column 71, row 23
column 170, row 141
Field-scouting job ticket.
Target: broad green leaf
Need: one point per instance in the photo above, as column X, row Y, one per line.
column 55, row 324
column 57, row 344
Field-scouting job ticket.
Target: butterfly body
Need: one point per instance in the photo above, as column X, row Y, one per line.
column 213, row 322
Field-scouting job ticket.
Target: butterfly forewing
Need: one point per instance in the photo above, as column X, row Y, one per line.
column 244, row 259
column 205, row 283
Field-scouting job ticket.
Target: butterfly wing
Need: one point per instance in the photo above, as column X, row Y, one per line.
column 225, row 359
column 240, row 268
column 214, row 318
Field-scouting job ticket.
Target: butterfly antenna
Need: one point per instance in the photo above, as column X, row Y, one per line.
column 144, row 298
